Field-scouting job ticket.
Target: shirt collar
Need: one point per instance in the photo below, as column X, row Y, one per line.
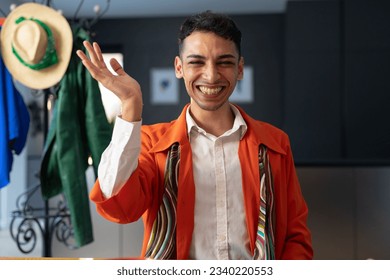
column 238, row 124
column 257, row 133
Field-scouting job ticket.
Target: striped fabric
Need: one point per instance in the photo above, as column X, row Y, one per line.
column 265, row 228
column 162, row 241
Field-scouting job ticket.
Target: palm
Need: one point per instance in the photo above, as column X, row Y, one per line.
column 122, row 85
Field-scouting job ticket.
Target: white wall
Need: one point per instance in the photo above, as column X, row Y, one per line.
column 18, row 184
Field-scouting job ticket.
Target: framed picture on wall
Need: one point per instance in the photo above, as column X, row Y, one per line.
column 164, row 86
column 243, row 93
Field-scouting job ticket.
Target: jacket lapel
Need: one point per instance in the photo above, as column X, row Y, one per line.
column 250, row 186
column 248, row 152
column 177, row 132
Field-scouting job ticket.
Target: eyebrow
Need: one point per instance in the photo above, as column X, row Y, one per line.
column 223, row 56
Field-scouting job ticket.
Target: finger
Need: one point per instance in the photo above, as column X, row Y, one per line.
column 98, row 51
column 115, row 65
column 91, row 68
column 81, row 55
column 86, row 61
column 95, row 72
column 91, row 52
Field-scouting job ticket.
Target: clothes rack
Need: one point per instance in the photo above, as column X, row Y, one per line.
column 29, row 222
column 50, row 221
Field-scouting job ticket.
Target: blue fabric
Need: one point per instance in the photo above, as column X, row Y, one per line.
column 14, row 124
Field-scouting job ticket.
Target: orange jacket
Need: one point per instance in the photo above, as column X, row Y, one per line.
column 142, row 193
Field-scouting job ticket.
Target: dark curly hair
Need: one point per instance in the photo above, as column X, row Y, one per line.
column 207, row 21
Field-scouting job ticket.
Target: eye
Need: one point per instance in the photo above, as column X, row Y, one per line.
column 195, row 62
column 226, row 63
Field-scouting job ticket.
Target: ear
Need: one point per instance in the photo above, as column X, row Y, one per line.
column 240, row 69
column 178, row 67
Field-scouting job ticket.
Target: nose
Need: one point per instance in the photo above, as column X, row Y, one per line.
column 211, row 73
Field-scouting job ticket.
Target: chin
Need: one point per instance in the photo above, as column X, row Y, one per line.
column 210, row 107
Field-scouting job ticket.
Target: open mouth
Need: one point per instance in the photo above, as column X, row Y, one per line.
column 210, row 90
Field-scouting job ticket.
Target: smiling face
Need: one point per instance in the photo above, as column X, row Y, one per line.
column 210, row 66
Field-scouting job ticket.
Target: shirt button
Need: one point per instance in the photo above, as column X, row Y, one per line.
column 222, row 238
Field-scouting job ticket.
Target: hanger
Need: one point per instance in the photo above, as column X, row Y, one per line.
column 3, row 13
column 87, row 24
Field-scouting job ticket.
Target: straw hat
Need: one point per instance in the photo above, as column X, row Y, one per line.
column 36, row 45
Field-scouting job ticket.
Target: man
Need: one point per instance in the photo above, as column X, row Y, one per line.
column 213, row 184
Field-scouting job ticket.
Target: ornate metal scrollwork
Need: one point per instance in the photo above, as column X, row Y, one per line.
column 28, row 222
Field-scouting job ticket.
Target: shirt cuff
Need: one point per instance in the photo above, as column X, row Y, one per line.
column 126, row 134
column 120, row 158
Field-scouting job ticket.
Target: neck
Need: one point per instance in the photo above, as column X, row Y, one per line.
column 214, row 122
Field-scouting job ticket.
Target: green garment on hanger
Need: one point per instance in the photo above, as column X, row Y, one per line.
column 78, row 129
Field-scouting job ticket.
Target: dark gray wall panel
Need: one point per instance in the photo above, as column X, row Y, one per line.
column 330, row 196
column 373, row 208
column 312, row 99
column 367, row 86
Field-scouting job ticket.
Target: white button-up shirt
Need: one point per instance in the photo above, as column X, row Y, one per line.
column 220, row 230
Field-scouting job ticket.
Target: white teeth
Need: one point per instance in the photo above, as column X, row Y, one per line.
column 209, row 91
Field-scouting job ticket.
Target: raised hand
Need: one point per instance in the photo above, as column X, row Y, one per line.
column 122, row 85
